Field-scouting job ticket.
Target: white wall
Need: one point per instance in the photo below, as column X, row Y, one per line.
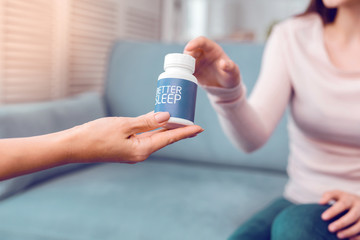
column 257, row 15
column 220, row 18
column 196, row 18
column 223, row 17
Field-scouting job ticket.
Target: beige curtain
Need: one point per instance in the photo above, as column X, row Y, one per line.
column 55, row 48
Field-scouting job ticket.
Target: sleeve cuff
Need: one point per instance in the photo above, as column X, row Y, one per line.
column 225, row 95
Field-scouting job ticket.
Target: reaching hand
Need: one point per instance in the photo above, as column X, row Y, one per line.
column 118, row 139
column 213, row 66
column 347, row 226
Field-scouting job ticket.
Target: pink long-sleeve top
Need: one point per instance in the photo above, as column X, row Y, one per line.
column 324, row 101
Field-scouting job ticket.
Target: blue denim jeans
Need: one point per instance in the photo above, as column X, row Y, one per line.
column 283, row 220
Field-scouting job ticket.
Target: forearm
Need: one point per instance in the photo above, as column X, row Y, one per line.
column 26, row 155
column 239, row 120
column 247, row 133
column 250, row 122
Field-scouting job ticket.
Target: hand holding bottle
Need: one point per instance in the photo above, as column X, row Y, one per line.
column 111, row 139
column 213, row 66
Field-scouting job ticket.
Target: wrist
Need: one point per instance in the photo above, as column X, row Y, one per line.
column 83, row 144
column 70, row 139
column 226, row 95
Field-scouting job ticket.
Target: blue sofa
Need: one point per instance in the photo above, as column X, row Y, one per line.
column 199, row 188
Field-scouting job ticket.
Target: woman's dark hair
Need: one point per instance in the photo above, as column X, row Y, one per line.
column 317, row 6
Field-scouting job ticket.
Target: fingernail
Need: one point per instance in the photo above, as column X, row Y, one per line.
column 162, row 117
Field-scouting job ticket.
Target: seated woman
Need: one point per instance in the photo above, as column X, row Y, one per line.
column 311, row 63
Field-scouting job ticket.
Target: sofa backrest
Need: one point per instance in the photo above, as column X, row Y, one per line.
column 130, row 91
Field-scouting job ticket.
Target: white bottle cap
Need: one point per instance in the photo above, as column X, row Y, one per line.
column 179, row 60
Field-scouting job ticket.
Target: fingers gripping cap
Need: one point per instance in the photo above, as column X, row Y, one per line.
column 179, row 60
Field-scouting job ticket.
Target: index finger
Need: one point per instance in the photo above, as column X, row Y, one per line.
column 195, row 46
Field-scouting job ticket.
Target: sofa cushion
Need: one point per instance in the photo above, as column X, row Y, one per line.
column 153, row 200
column 24, row 120
column 130, row 91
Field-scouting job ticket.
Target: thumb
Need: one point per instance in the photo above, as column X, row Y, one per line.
column 147, row 122
column 328, row 196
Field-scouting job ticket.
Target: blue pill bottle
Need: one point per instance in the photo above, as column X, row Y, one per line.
column 176, row 90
